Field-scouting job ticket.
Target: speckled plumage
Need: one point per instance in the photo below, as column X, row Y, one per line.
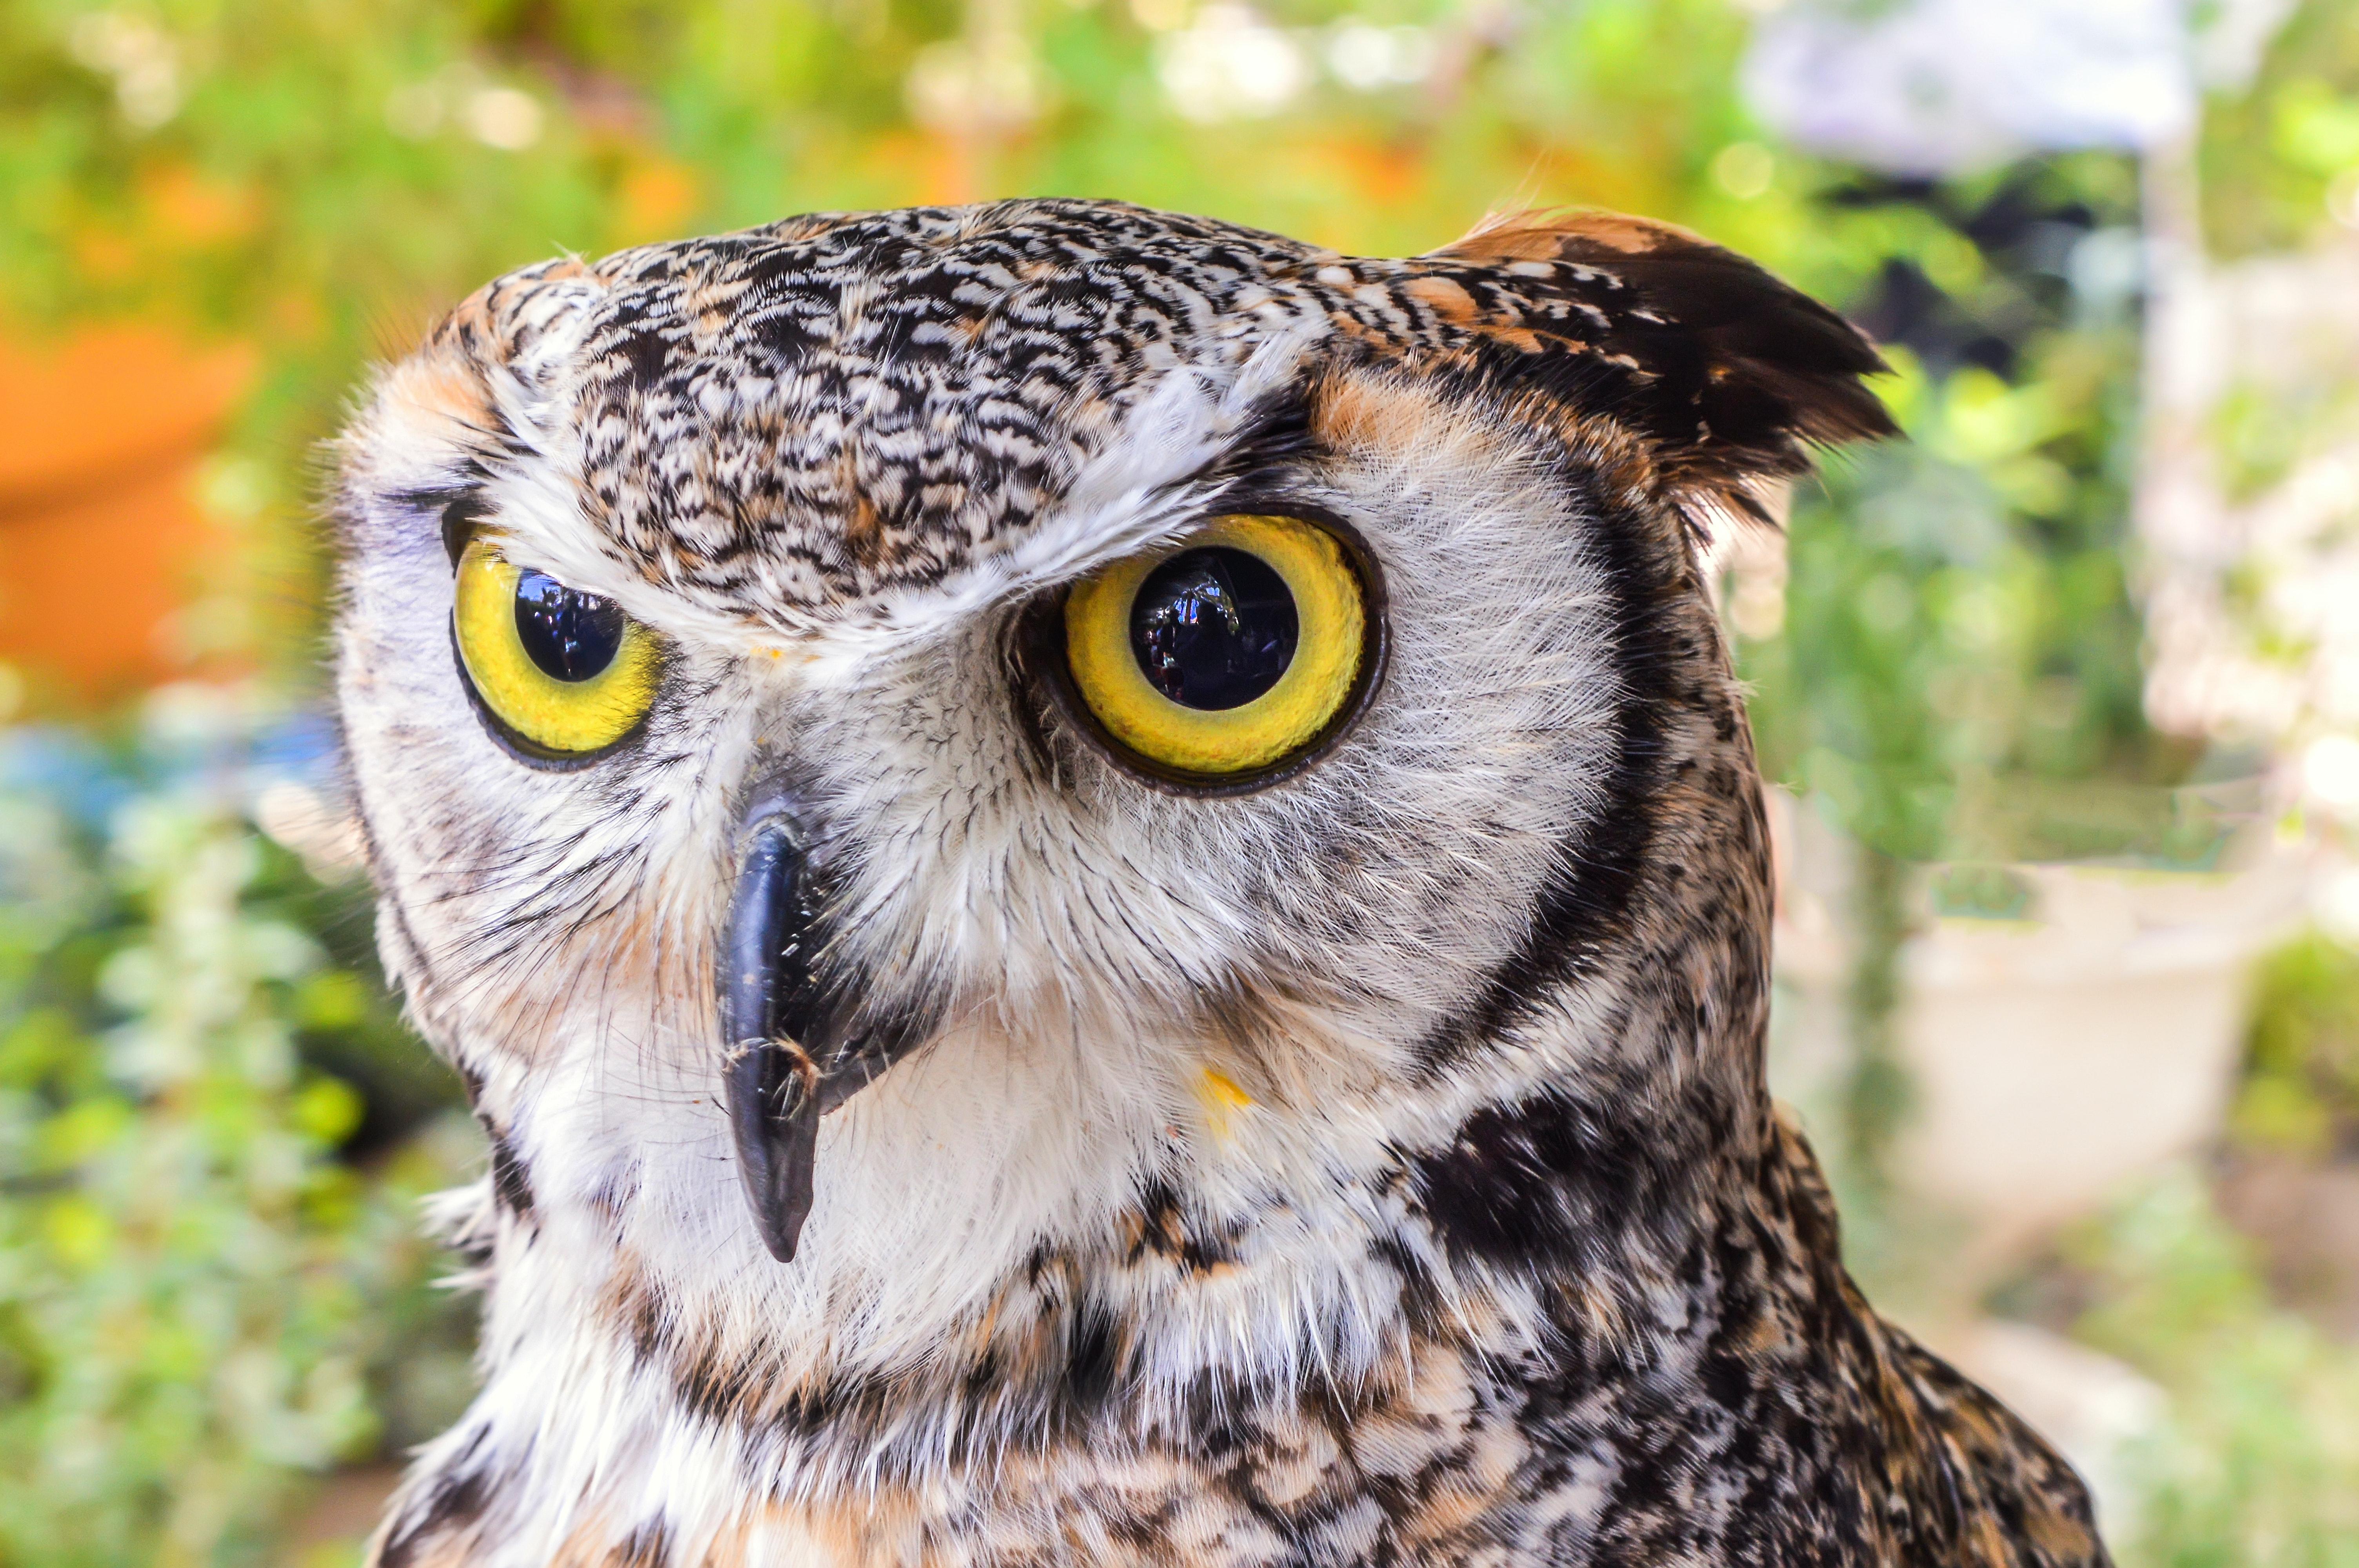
column 1498, row 1253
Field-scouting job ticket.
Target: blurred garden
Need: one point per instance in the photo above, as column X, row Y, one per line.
column 2070, row 679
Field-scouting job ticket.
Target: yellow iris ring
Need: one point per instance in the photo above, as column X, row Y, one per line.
column 565, row 718
column 1331, row 620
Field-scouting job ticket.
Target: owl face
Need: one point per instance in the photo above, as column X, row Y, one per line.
column 885, row 738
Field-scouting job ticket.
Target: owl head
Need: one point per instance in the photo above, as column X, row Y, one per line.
column 903, row 749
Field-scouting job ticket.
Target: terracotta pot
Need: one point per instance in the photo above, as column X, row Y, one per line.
column 100, row 538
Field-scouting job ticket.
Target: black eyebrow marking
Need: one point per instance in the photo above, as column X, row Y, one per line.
column 462, row 505
column 1275, row 432
column 460, row 517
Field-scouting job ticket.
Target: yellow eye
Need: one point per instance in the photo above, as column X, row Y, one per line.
column 565, row 673
column 1228, row 657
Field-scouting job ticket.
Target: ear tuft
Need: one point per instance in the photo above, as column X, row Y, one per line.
column 1730, row 373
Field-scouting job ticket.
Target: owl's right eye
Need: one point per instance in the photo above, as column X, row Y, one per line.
column 563, row 674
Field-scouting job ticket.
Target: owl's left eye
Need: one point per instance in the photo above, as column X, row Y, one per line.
column 1223, row 665
column 563, row 674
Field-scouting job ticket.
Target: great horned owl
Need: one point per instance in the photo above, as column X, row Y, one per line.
column 1103, row 887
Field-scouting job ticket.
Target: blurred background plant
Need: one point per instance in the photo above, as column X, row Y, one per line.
column 2086, row 615
column 209, row 1282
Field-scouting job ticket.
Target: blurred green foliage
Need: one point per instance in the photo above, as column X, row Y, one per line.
column 2279, row 160
column 199, row 1302
column 2256, row 1463
column 208, row 1120
column 2300, row 1091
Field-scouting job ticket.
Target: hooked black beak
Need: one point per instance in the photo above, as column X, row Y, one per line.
column 797, row 1042
column 766, row 998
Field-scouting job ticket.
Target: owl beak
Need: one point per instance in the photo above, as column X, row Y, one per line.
column 801, row 1032
column 767, row 1013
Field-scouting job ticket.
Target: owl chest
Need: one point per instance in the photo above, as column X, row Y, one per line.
column 1304, row 1504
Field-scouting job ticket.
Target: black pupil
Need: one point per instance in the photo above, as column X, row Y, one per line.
column 1214, row 628
column 570, row 635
